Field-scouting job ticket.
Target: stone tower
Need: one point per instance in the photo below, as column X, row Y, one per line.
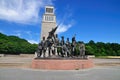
column 48, row 21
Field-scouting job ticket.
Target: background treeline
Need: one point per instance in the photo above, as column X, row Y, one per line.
column 16, row 45
column 103, row 49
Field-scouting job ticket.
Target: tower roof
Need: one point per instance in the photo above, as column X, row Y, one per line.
column 49, row 6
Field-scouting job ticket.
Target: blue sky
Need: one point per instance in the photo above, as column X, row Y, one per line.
column 97, row 20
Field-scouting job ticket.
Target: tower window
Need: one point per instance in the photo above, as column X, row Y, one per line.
column 49, row 18
column 49, row 10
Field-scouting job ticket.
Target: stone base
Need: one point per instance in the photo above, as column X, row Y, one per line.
column 65, row 64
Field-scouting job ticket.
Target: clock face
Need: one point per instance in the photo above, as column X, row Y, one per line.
column 49, row 10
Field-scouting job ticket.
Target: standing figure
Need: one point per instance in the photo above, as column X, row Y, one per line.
column 43, row 44
column 56, row 44
column 73, row 46
column 82, row 49
column 68, row 45
column 65, row 50
column 51, row 40
column 39, row 50
column 62, row 43
column 49, row 46
column 53, row 49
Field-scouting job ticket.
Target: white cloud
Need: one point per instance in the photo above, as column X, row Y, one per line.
column 22, row 11
column 33, row 41
column 66, row 21
column 63, row 28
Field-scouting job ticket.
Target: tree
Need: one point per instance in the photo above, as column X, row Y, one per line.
column 89, row 50
column 15, row 45
column 102, row 49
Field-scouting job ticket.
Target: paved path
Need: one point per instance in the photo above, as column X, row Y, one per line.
column 96, row 61
column 99, row 73
column 17, row 68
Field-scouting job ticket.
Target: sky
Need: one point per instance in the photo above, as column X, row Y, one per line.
column 97, row 20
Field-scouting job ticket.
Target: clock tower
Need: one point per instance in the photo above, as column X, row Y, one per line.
column 48, row 21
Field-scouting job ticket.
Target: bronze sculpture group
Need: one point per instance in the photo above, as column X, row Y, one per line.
column 53, row 47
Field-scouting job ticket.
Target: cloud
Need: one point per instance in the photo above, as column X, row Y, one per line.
column 66, row 21
column 22, row 11
column 63, row 28
column 33, row 41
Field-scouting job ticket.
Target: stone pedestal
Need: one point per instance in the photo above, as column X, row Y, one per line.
column 62, row 64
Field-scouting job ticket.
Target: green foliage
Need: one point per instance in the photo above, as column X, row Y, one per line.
column 89, row 50
column 102, row 49
column 15, row 45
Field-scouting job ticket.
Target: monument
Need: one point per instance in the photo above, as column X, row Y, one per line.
column 55, row 54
